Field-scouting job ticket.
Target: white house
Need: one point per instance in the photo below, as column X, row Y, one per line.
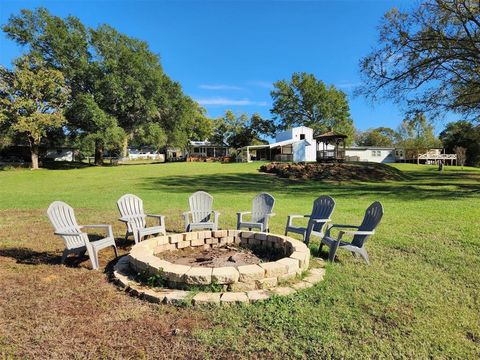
column 371, row 154
column 144, row 154
column 295, row 144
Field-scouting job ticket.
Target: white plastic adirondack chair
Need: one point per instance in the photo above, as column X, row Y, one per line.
column 133, row 215
column 322, row 211
column 262, row 207
column 201, row 212
column 373, row 215
column 76, row 241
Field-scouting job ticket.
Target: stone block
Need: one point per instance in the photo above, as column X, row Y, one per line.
column 283, row 291
column 260, row 236
column 176, row 238
column 197, row 242
column 233, row 233
column 175, row 272
column 198, row 276
column 211, row 241
column 242, row 286
column 234, row 298
column 225, row 275
column 315, row 276
column 302, row 257
column 183, row 244
column 165, row 247
column 219, row 233
column 175, row 297
column 287, row 277
column 257, row 295
column 302, row 285
column 247, row 234
column 266, row 283
column 230, row 239
column 249, row 273
column 205, row 298
column 191, row 236
column 274, row 269
column 292, row 264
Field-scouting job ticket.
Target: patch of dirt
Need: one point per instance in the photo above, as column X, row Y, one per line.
column 219, row 257
column 357, row 171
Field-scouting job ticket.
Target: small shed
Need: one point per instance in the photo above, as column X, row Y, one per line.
column 330, row 146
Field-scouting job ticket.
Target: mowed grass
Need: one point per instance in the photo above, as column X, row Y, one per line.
column 418, row 299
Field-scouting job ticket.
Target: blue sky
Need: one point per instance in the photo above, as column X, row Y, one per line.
column 226, row 54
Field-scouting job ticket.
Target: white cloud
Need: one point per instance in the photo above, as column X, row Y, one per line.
column 220, row 87
column 262, row 84
column 230, row 102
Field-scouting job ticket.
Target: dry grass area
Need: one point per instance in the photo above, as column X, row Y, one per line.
column 53, row 311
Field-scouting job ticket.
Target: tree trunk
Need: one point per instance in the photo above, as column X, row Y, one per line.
column 125, row 147
column 34, row 154
column 99, row 153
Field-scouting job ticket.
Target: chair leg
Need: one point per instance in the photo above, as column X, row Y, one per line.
column 332, row 252
column 64, row 256
column 363, row 253
column 320, row 247
column 126, row 236
column 115, row 250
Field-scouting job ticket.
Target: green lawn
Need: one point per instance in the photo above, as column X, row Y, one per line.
column 419, row 298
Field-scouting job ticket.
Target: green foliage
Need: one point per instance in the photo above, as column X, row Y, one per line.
column 463, row 134
column 122, row 75
column 304, row 100
column 426, row 58
column 416, row 134
column 95, row 127
column 32, row 102
column 382, row 136
column 239, row 131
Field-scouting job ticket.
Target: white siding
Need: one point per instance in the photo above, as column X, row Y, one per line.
column 372, row 154
column 60, row 154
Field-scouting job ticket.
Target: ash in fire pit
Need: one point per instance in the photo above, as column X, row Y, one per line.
column 219, row 257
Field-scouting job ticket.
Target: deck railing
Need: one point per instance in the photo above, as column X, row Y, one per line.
column 329, row 155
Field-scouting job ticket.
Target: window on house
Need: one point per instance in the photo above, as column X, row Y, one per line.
column 302, row 136
column 376, row 153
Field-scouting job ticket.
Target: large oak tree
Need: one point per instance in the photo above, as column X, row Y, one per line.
column 428, row 58
column 304, row 100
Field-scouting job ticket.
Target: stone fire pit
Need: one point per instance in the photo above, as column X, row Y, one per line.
column 237, row 282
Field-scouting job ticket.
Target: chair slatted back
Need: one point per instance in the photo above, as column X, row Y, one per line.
column 62, row 217
column 373, row 216
column 323, row 208
column 131, row 206
column 262, row 205
column 201, row 206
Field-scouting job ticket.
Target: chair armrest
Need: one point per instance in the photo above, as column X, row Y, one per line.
column 161, row 218
column 357, row 232
column 59, row 233
column 124, row 219
column 291, row 217
column 100, row 226
column 270, row 214
column 240, row 215
column 343, row 226
column 317, row 221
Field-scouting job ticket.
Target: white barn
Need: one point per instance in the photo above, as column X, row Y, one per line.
column 295, row 144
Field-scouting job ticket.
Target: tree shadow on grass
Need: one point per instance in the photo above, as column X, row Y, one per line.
column 240, row 183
